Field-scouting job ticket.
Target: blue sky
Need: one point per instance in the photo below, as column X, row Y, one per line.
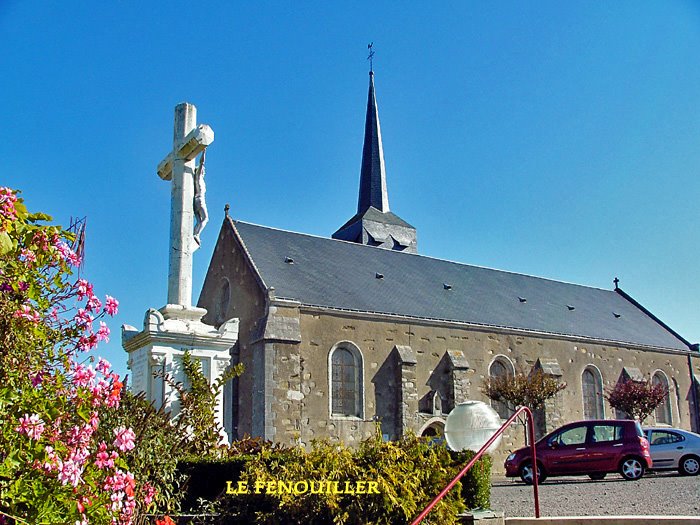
column 554, row 139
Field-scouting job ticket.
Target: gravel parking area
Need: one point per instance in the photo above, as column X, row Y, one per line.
column 655, row 494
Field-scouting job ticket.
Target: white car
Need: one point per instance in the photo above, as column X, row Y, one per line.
column 674, row 449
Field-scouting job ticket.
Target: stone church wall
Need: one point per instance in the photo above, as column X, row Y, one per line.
column 453, row 361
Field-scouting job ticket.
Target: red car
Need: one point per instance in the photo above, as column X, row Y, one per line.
column 596, row 448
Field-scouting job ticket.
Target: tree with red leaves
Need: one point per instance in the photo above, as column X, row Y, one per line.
column 637, row 399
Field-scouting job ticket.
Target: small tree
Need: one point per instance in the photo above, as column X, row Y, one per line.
column 197, row 418
column 637, row 399
column 530, row 390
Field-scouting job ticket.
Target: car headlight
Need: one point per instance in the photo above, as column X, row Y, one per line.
column 511, row 457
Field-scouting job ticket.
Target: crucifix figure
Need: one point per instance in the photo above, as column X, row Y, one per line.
column 201, row 216
column 186, row 199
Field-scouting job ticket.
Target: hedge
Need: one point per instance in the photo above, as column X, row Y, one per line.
column 406, row 475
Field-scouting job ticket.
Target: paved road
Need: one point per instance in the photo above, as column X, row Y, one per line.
column 655, row 494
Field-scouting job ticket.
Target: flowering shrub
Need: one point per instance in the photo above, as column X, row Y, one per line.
column 158, row 443
column 53, row 466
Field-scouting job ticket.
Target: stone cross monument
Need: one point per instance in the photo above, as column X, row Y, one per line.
column 189, row 140
column 177, row 327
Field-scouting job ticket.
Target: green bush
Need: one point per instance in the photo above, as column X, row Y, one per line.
column 408, row 474
column 476, row 483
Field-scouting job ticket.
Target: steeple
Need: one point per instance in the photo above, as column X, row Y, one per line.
column 373, row 173
column 374, row 224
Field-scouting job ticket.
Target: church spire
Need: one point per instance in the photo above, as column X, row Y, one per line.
column 373, row 174
column 374, row 224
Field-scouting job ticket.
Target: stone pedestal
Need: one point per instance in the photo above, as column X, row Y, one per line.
column 158, row 349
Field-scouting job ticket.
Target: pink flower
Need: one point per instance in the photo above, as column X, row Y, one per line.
column 117, row 502
column 111, row 305
column 103, row 459
column 28, row 255
column 82, row 375
column 120, row 484
column 124, row 439
column 61, row 247
column 53, row 462
column 149, row 493
column 28, row 313
column 32, row 426
column 80, row 437
column 83, row 318
column 93, row 304
column 103, row 366
column 54, row 313
column 87, row 342
column 40, row 239
column 71, row 472
column 103, row 333
column 7, row 203
column 65, row 252
column 84, row 289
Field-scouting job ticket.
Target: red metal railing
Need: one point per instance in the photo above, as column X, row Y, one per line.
column 482, row 451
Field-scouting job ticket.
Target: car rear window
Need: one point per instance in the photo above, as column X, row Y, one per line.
column 639, row 430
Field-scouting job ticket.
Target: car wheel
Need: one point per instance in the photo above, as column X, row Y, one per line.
column 631, row 469
column 689, row 466
column 526, row 472
column 598, row 476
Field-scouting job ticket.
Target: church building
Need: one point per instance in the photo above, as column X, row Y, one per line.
column 337, row 334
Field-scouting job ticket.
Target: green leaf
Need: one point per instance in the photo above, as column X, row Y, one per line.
column 22, row 212
column 5, row 243
column 39, row 217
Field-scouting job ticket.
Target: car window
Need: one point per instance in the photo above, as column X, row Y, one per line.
column 572, row 436
column 663, row 437
column 603, row 433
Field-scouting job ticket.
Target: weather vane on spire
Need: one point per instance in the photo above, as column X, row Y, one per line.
column 370, row 56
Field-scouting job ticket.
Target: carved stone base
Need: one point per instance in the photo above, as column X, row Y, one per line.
column 157, row 350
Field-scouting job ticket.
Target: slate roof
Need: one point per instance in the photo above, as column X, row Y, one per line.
column 345, row 275
column 373, row 214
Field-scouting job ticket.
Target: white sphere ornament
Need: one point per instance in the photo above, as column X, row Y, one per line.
column 470, row 425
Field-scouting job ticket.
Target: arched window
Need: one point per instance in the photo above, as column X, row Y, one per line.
column 663, row 411
column 346, row 381
column 677, row 390
column 501, row 367
column 592, row 388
